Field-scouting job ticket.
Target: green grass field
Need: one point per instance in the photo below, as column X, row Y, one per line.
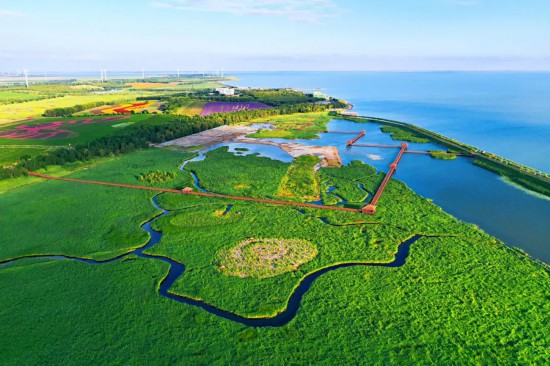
column 246, row 175
column 85, row 220
column 294, row 126
column 339, row 237
column 15, row 112
column 461, row 297
column 8, row 97
column 300, row 182
column 9, row 155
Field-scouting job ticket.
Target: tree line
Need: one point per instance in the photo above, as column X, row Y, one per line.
column 159, row 128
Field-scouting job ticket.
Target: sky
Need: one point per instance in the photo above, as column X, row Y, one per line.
column 274, row 35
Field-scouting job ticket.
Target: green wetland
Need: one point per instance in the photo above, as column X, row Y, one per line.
column 110, row 275
column 455, row 299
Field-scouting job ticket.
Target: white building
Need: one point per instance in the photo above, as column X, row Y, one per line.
column 226, row 91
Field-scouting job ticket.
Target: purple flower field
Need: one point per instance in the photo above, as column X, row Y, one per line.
column 224, row 107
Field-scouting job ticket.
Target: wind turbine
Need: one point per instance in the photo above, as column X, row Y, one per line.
column 26, row 73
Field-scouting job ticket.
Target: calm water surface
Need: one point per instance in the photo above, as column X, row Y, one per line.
column 505, row 113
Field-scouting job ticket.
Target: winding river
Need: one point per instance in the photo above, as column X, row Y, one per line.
column 177, row 269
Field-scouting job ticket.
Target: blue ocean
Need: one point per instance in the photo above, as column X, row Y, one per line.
column 501, row 112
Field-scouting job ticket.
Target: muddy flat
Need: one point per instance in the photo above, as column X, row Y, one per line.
column 211, row 137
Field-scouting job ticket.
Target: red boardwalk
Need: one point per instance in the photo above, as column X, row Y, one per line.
column 370, row 209
column 361, row 134
column 189, row 191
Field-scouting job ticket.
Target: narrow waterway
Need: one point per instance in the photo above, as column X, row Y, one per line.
column 177, row 269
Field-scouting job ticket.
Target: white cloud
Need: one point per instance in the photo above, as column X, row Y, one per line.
column 311, row 11
column 6, row 13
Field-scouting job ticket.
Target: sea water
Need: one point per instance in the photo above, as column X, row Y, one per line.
column 504, row 113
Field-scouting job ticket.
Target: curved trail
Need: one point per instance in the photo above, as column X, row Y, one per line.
column 177, row 269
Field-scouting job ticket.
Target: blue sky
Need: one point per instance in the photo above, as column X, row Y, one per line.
column 63, row 35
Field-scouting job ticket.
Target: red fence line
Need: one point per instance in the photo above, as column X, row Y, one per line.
column 378, row 145
column 189, row 191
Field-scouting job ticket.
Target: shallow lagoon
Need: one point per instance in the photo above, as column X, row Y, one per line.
column 462, row 189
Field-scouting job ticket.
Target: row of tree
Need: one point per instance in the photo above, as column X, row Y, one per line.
column 157, row 129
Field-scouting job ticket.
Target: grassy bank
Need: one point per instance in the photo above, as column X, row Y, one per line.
column 401, row 134
column 526, row 181
column 524, row 176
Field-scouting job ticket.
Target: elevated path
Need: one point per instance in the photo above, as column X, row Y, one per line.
column 370, row 209
column 189, row 191
column 351, row 142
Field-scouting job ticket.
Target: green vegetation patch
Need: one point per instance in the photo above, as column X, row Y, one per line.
column 442, row 155
column 9, row 97
column 78, row 219
column 352, row 183
column 300, row 181
column 294, row 126
column 249, row 175
column 197, row 231
column 203, row 216
column 157, row 176
column 264, row 258
column 401, row 134
column 10, row 155
column 534, row 184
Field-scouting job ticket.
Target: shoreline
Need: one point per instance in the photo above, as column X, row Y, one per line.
column 529, row 178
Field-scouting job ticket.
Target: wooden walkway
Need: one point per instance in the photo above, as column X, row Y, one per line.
column 189, row 191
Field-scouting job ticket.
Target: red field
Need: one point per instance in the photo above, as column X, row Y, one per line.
column 122, row 108
column 44, row 131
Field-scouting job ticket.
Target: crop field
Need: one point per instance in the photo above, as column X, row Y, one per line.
column 123, row 108
column 8, row 97
column 64, row 131
column 225, row 107
column 294, row 126
column 9, row 155
column 455, row 289
column 27, row 110
column 191, row 107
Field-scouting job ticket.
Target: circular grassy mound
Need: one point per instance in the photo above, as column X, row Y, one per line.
column 263, row 258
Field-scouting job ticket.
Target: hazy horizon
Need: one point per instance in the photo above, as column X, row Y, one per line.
column 275, row 35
